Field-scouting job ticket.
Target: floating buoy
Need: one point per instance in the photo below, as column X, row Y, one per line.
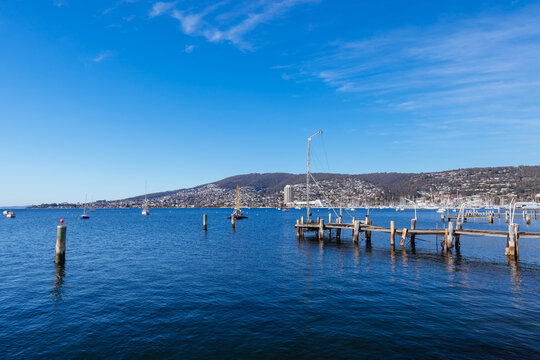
column 61, row 221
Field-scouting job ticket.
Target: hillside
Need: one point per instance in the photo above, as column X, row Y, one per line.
column 259, row 190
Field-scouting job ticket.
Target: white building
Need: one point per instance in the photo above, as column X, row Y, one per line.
column 288, row 195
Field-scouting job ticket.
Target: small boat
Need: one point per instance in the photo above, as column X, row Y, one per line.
column 10, row 214
column 237, row 213
column 5, row 212
column 400, row 208
column 84, row 215
column 146, row 210
column 441, row 210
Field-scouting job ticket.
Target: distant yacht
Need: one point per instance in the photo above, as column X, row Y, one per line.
column 146, row 210
column 5, row 212
column 9, row 214
column 84, row 215
column 237, row 213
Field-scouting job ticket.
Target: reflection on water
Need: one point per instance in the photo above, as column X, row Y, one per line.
column 58, row 282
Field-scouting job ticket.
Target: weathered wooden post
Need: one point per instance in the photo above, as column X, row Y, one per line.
column 512, row 248
column 338, row 230
column 413, row 227
column 302, row 229
column 60, row 248
column 445, row 241
column 450, row 236
column 368, row 233
column 442, row 217
column 321, row 229
column 392, row 233
column 490, row 218
column 204, row 222
column 297, row 228
column 233, row 221
column 356, row 230
column 506, row 216
column 330, row 218
column 456, row 236
column 318, row 220
column 367, row 218
column 528, row 219
column 403, row 237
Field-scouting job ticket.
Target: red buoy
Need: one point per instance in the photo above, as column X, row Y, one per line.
column 61, row 221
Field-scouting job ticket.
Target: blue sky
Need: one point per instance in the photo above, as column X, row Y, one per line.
column 97, row 97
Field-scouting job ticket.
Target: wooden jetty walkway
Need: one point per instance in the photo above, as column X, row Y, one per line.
column 451, row 234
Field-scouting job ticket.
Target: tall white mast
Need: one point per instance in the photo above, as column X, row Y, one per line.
column 307, row 173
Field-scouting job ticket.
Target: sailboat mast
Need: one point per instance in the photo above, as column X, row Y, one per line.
column 237, row 197
column 307, row 172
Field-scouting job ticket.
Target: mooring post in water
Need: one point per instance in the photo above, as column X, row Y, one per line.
column 413, row 227
column 321, row 229
column 60, row 248
column 302, row 223
column 528, row 219
column 456, row 236
column 356, row 230
column 392, row 233
column 204, row 222
column 368, row 233
column 506, row 217
column 403, row 236
column 442, row 217
column 297, row 228
column 512, row 248
column 445, row 241
column 490, row 219
column 450, row 236
column 338, row 231
column 330, row 218
column 367, row 218
column 233, row 221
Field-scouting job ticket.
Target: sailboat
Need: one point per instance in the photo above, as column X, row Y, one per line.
column 84, row 214
column 146, row 210
column 237, row 213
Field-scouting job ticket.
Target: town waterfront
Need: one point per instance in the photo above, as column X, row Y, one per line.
column 158, row 286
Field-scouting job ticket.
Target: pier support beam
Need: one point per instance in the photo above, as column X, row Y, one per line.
column 442, row 217
column 233, row 221
column 490, row 219
column 413, row 226
column 392, row 233
column 321, row 229
column 456, row 236
column 302, row 229
column 512, row 248
column 368, row 233
column 204, row 222
column 338, row 231
column 449, row 236
column 297, row 229
column 60, row 248
column 528, row 219
column 403, row 236
column 356, row 230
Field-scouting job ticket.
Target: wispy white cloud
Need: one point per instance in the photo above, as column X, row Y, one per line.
column 483, row 67
column 189, row 48
column 161, row 8
column 60, row 3
column 224, row 21
column 102, row 56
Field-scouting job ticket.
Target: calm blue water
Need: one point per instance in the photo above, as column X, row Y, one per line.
column 158, row 287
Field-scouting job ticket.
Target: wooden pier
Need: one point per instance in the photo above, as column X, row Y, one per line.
column 451, row 234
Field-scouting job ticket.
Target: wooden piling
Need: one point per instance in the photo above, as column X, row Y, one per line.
column 338, row 231
column 512, row 248
column 442, row 217
column 321, row 229
column 528, row 219
column 60, row 248
column 506, row 216
column 356, row 230
column 456, row 236
column 490, row 218
column 450, row 235
column 330, row 218
column 204, row 222
column 297, row 228
column 392, row 233
column 413, row 226
column 368, row 233
column 233, row 221
column 403, row 236
column 445, row 241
